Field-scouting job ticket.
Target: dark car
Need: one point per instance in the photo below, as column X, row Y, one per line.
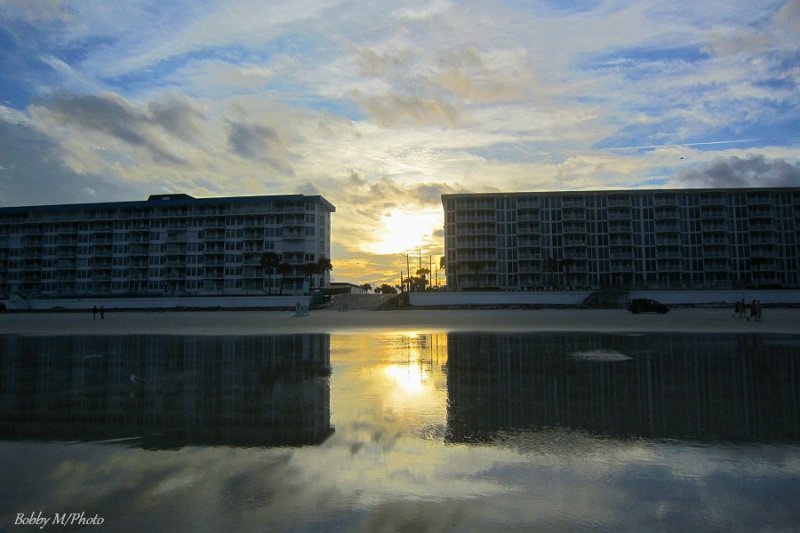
column 642, row 305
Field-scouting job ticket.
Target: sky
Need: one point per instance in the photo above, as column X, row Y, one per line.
column 383, row 106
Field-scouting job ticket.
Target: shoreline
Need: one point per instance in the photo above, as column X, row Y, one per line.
column 249, row 322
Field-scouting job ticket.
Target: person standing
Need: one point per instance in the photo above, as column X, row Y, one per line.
column 102, row 312
column 94, row 312
column 752, row 311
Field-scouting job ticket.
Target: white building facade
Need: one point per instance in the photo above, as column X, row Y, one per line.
column 633, row 239
column 169, row 245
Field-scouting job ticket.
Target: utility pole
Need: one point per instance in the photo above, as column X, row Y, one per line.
column 408, row 269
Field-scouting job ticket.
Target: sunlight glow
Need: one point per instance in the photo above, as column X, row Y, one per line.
column 405, row 231
column 409, row 378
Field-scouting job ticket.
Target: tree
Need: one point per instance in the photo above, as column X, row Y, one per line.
column 566, row 264
column 421, row 275
column 324, row 265
column 385, row 288
column 309, row 269
column 283, row 270
column 476, row 267
column 270, row 262
column 366, row 286
column 550, row 265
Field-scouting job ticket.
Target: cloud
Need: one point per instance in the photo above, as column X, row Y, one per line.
column 396, row 110
column 111, row 115
column 32, row 172
column 751, row 171
column 260, row 143
column 177, row 116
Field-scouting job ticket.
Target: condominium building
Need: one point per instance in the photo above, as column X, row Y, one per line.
column 668, row 238
column 170, row 245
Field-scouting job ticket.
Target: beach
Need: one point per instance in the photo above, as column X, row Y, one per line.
column 697, row 320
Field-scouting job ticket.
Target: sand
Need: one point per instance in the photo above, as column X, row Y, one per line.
column 700, row 320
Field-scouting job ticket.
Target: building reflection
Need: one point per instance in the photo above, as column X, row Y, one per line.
column 732, row 388
column 167, row 391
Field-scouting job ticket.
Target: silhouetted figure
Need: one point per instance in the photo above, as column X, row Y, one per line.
column 102, row 312
column 753, row 310
column 94, row 312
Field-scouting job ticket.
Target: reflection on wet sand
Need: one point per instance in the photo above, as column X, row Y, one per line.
column 698, row 387
column 165, row 391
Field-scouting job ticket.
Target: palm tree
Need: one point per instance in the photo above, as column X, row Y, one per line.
column 270, row 261
column 421, row 274
column 283, row 270
column 309, row 269
column 565, row 266
column 476, row 267
column 324, row 265
column 550, row 265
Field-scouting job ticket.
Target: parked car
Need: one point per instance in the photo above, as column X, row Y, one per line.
column 643, row 305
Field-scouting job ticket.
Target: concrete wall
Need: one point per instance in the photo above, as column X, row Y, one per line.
column 194, row 302
column 685, row 297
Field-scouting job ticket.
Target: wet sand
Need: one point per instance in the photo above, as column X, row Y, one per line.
column 699, row 320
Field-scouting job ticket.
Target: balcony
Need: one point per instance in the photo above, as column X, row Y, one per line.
column 762, row 226
column 760, row 198
column 669, row 266
column 668, row 254
column 666, row 201
column 666, row 213
column 713, row 199
column 572, row 227
column 619, row 201
column 621, row 266
column 579, row 216
column 621, row 242
column 715, row 254
column 716, row 267
column 569, row 201
column 619, row 215
column 761, row 212
column 667, row 227
column 619, row 228
column 575, row 256
column 715, row 227
column 713, row 213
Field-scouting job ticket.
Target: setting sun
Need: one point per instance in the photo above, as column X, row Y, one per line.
column 402, row 231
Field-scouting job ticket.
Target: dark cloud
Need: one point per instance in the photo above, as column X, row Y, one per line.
column 251, row 140
column 356, row 180
column 431, row 193
column 308, row 188
column 259, row 143
column 753, row 171
column 113, row 116
column 31, row 173
column 177, row 116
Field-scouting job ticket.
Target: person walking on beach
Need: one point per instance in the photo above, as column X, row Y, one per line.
column 753, row 310
column 94, row 312
column 102, row 312
column 737, row 310
column 758, row 310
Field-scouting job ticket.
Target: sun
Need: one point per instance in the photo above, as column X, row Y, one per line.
column 403, row 231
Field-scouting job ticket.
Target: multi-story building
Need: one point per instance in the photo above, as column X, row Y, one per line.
column 668, row 238
column 169, row 245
